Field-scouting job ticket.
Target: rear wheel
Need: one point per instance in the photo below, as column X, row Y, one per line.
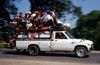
column 81, row 52
column 33, row 50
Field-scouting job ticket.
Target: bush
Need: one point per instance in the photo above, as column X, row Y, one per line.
column 4, row 45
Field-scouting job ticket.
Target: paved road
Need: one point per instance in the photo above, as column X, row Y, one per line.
column 93, row 58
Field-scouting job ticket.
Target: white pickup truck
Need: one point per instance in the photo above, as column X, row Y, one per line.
column 60, row 41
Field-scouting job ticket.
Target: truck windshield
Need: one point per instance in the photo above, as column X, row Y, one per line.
column 69, row 35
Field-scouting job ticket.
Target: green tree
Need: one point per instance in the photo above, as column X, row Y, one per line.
column 88, row 26
column 7, row 8
column 61, row 6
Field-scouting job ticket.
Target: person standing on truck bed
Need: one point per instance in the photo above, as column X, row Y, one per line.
column 20, row 17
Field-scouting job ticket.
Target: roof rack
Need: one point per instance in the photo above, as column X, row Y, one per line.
column 34, row 29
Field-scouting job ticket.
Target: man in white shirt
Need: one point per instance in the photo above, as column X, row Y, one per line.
column 42, row 16
column 53, row 13
column 41, row 19
column 15, row 22
column 49, row 20
column 34, row 14
column 48, row 17
column 54, row 16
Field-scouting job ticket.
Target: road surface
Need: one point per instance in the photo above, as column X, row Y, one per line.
column 58, row 57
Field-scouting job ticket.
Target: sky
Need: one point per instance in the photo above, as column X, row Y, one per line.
column 87, row 6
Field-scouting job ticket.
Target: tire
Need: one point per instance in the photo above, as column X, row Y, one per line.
column 81, row 52
column 33, row 50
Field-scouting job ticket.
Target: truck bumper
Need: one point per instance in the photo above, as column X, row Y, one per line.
column 92, row 48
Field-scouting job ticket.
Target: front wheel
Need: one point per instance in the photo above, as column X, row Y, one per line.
column 33, row 50
column 81, row 52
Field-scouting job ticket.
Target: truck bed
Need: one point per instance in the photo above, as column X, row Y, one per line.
column 44, row 44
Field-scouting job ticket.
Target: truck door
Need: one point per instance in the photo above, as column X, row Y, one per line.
column 61, row 42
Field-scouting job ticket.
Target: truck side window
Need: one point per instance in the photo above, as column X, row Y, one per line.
column 60, row 36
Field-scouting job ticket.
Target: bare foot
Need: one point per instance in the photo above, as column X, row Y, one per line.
column 54, row 25
column 34, row 25
column 19, row 25
column 13, row 45
column 40, row 25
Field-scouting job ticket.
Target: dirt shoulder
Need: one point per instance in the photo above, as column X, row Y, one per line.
column 95, row 52
column 27, row 62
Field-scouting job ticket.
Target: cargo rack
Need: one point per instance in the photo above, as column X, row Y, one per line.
column 23, row 33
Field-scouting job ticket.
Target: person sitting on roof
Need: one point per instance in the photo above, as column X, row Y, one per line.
column 41, row 11
column 15, row 22
column 29, row 16
column 26, row 16
column 53, row 13
column 54, row 16
column 34, row 14
column 29, row 21
column 49, row 21
column 35, row 20
column 20, row 17
column 41, row 19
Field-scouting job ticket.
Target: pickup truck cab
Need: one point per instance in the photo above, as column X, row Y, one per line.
column 59, row 41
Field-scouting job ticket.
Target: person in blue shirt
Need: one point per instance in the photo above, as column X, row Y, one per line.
column 11, row 28
column 10, row 34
